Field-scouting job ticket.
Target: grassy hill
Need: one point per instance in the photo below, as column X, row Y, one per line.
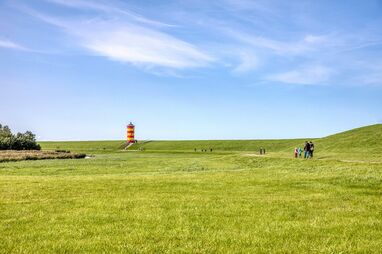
column 280, row 145
column 363, row 143
column 355, row 140
column 354, row 144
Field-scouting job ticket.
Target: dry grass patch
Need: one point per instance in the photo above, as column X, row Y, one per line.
column 12, row 155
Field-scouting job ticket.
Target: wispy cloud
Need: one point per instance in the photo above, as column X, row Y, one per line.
column 315, row 39
column 11, row 45
column 248, row 62
column 104, row 7
column 307, row 75
column 306, row 44
column 372, row 76
column 139, row 45
column 128, row 40
column 245, row 36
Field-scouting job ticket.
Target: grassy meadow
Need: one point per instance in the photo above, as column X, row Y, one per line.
column 170, row 199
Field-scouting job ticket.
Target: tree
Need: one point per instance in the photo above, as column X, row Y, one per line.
column 20, row 141
column 5, row 137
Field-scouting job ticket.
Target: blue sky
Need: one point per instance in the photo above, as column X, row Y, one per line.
column 229, row 69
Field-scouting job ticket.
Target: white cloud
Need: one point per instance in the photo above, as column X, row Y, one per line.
column 315, row 39
column 305, row 44
column 275, row 46
column 373, row 75
column 310, row 75
column 248, row 62
column 98, row 6
column 139, row 45
column 127, row 41
column 11, row 45
column 372, row 79
column 250, row 33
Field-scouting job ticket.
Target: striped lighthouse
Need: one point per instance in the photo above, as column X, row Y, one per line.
column 130, row 133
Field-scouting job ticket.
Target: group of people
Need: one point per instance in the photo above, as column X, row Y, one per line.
column 308, row 150
column 204, row 150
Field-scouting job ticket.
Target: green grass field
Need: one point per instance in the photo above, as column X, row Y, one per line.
column 171, row 199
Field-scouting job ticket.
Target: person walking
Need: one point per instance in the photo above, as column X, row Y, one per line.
column 311, row 149
column 306, row 150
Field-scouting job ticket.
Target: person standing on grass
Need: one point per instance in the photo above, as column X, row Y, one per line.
column 296, row 152
column 299, row 152
column 306, row 150
column 311, row 149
